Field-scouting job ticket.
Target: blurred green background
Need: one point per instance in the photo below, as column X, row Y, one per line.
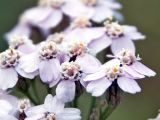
column 142, row 13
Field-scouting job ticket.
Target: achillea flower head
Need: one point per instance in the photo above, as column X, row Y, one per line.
column 52, row 109
column 117, row 36
column 9, row 67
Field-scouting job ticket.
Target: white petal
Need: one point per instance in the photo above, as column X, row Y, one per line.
column 35, row 110
column 101, row 13
column 52, row 20
column 95, row 76
column 78, row 9
column 52, row 104
column 99, row 44
column 98, row 87
column 122, row 43
column 133, row 72
column 8, row 78
column 133, row 33
column 24, row 74
column 65, row 91
column 30, row 62
column 128, row 85
column 88, row 63
column 7, row 107
column 36, row 15
column 27, row 48
column 142, row 69
column 49, row 70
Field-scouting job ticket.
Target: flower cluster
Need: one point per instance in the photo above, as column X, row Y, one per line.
column 66, row 58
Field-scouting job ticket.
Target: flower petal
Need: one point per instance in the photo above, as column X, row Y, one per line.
column 88, row 63
column 99, row 44
column 142, row 69
column 52, row 104
column 98, row 87
column 133, row 73
column 133, row 33
column 65, row 91
column 122, row 43
column 8, row 78
column 49, row 70
column 30, row 62
column 128, row 85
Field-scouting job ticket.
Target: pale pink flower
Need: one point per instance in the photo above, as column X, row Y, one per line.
column 109, row 73
column 52, row 109
column 117, row 36
column 9, row 69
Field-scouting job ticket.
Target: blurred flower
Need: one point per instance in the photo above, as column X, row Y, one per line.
column 119, row 36
column 100, row 9
column 9, row 69
column 52, row 109
column 157, row 118
column 111, row 72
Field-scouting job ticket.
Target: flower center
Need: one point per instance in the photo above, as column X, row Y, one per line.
column 90, row 2
column 48, row 50
column 57, row 38
column 51, row 3
column 113, row 71
column 9, row 58
column 77, row 48
column 17, row 41
column 50, row 116
column 23, row 105
column 81, row 22
column 114, row 30
column 127, row 57
column 70, row 71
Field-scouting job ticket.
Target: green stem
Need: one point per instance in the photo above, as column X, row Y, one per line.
column 93, row 102
column 107, row 112
column 33, row 85
column 75, row 103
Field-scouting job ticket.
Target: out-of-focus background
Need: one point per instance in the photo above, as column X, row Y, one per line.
column 142, row 13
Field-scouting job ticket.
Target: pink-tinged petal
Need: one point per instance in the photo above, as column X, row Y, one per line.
column 128, row 85
column 63, row 57
column 52, row 20
column 20, row 29
column 8, row 117
column 95, row 76
column 142, row 69
column 30, row 62
column 122, row 43
column 52, row 104
column 133, row 73
column 7, row 107
column 37, row 116
column 98, row 87
column 99, row 44
column 8, row 78
column 49, row 70
column 78, row 9
column 69, row 114
column 27, row 48
column 65, row 91
column 133, row 33
column 64, row 116
column 86, row 34
column 101, row 13
column 88, row 63
column 36, row 15
column 22, row 73
column 35, row 110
